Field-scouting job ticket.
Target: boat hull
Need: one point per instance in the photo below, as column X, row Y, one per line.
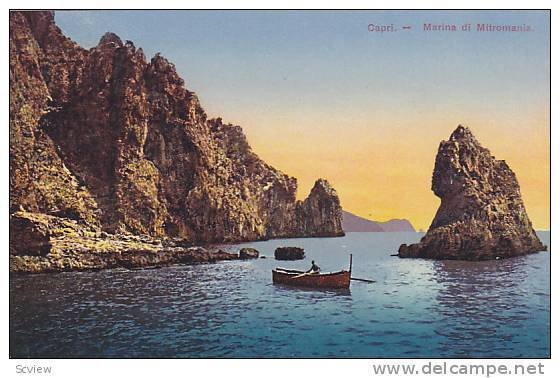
column 336, row 280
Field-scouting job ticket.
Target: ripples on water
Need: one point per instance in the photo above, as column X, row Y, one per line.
column 417, row 308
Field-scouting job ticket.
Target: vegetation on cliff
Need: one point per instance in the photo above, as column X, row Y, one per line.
column 116, row 143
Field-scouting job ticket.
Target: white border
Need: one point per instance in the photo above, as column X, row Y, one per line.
column 257, row 368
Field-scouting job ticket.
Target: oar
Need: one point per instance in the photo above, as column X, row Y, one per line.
column 357, row 279
column 362, row 279
column 301, row 275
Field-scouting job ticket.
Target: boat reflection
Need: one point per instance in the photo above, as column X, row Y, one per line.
column 321, row 293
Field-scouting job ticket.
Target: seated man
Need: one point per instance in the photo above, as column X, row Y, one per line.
column 314, row 268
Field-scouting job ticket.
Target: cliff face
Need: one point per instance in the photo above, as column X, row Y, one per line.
column 115, row 142
column 481, row 215
column 39, row 178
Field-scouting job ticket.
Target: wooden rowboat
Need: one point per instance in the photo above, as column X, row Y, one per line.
column 334, row 280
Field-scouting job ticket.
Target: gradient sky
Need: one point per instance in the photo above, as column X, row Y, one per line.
column 320, row 96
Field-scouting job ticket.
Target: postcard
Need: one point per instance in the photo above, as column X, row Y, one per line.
column 280, row 184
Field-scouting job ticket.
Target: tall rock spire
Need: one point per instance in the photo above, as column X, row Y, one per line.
column 481, row 215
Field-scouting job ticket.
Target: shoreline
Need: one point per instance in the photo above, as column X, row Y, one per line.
column 41, row 243
column 120, row 251
column 65, row 245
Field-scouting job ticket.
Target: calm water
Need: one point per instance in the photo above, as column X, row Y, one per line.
column 417, row 308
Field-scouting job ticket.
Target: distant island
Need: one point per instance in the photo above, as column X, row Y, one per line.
column 354, row 223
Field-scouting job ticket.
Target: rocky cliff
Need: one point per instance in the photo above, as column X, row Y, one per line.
column 481, row 215
column 117, row 143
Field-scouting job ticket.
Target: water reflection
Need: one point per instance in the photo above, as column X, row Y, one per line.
column 313, row 293
column 480, row 304
column 467, row 285
column 416, row 308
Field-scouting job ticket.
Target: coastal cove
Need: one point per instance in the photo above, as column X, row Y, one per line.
column 417, row 307
column 142, row 224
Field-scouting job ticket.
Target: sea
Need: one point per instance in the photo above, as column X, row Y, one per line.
column 415, row 307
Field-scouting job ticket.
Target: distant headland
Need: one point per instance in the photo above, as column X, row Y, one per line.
column 354, row 223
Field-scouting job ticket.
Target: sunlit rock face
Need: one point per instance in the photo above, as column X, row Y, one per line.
column 481, row 215
column 112, row 140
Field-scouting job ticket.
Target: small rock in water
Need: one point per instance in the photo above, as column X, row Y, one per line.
column 248, row 253
column 289, row 253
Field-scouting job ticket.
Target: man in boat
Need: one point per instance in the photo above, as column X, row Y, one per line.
column 314, row 268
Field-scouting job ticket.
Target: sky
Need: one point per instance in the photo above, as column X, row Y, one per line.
column 319, row 95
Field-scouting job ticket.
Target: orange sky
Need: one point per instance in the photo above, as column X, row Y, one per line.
column 319, row 95
column 381, row 166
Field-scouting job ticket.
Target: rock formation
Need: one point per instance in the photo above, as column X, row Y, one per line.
column 70, row 246
column 481, row 215
column 248, row 253
column 30, row 234
column 320, row 213
column 39, row 179
column 114, row 142
column 289, row 253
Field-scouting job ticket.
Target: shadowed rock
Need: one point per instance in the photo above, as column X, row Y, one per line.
column 289, row 253
column 117, row 142
column 248, row 253
column 46, row 243
column 481, row 215
column 29, row 235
